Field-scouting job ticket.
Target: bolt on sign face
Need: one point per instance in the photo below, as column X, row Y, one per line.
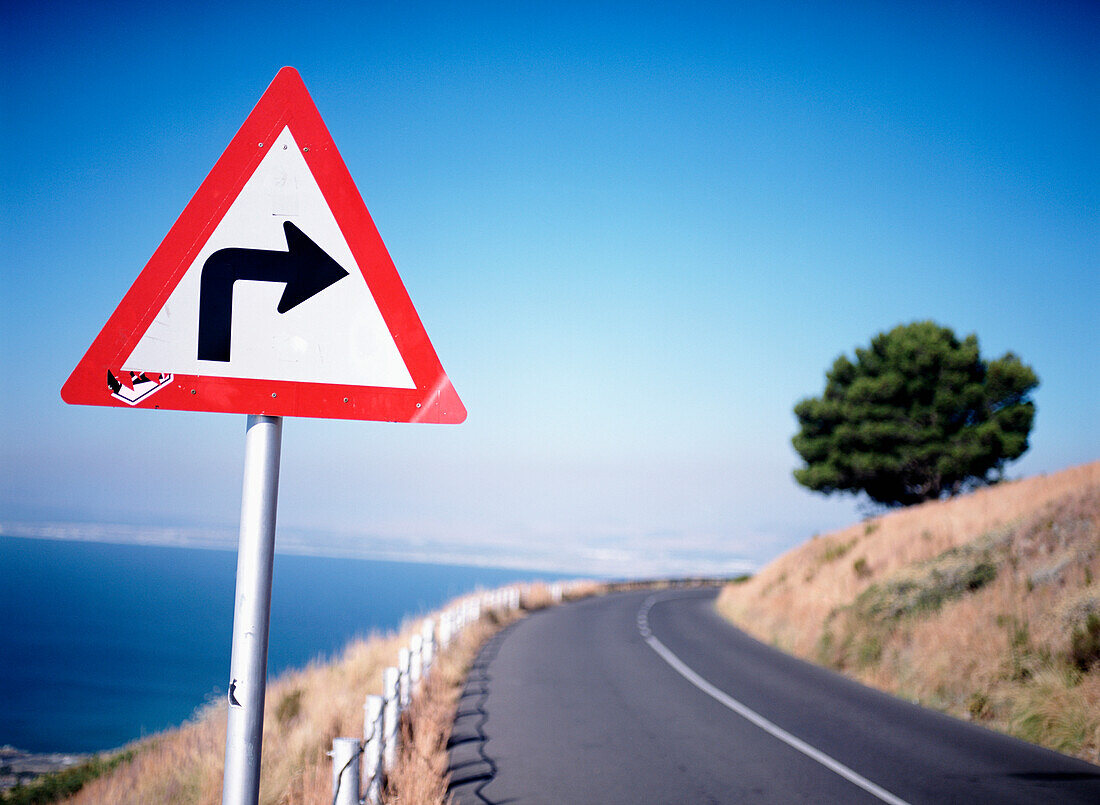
column 273, row 294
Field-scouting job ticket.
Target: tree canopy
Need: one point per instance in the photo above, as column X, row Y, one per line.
column 916, row 416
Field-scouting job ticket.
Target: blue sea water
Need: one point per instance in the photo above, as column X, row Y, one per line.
column 102, row 643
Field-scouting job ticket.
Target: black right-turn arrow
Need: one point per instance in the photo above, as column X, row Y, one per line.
column 305, row 268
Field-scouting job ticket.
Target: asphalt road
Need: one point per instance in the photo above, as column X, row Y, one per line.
column 653, row 698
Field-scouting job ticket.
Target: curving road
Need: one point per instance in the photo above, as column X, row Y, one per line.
column 653, row 698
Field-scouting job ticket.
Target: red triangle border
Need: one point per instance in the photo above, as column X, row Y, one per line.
column 285, row 103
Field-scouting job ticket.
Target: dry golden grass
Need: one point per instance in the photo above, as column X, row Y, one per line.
column 536, row 596
column 788, row 601
column 576, row 590
column 996, row 652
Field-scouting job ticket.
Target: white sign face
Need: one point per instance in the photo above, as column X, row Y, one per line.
column 256, row 322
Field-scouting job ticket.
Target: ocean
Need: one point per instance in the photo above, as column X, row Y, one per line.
column 101, row 644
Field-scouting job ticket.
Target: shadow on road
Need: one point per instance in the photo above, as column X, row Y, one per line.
column 471, row 768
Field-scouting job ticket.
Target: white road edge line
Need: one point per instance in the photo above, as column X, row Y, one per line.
column 754, row 717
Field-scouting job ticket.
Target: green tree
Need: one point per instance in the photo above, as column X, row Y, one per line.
column 916, row 416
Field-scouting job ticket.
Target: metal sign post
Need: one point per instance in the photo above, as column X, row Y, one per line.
column 252, row 611
column 343, row 342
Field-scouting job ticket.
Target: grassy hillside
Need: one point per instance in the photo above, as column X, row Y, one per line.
column 986, row 606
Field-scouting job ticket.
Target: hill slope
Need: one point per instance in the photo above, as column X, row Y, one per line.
column 985, row 606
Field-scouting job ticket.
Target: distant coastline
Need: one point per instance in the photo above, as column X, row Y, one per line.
column 529, row 556
column 17, row 766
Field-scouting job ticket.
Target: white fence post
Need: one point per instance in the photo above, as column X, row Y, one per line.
column 403, row 660
column 416, row 662
column 446, row 628
column 391, row 716
column 427, row 634
column 372, row 750
column 345, row 771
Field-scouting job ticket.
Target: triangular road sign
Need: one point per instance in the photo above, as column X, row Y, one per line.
column 272, row 294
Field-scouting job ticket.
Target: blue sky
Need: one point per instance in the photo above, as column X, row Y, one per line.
column 636, row 235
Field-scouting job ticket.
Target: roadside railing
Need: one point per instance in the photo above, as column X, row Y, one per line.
column 360, row 766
